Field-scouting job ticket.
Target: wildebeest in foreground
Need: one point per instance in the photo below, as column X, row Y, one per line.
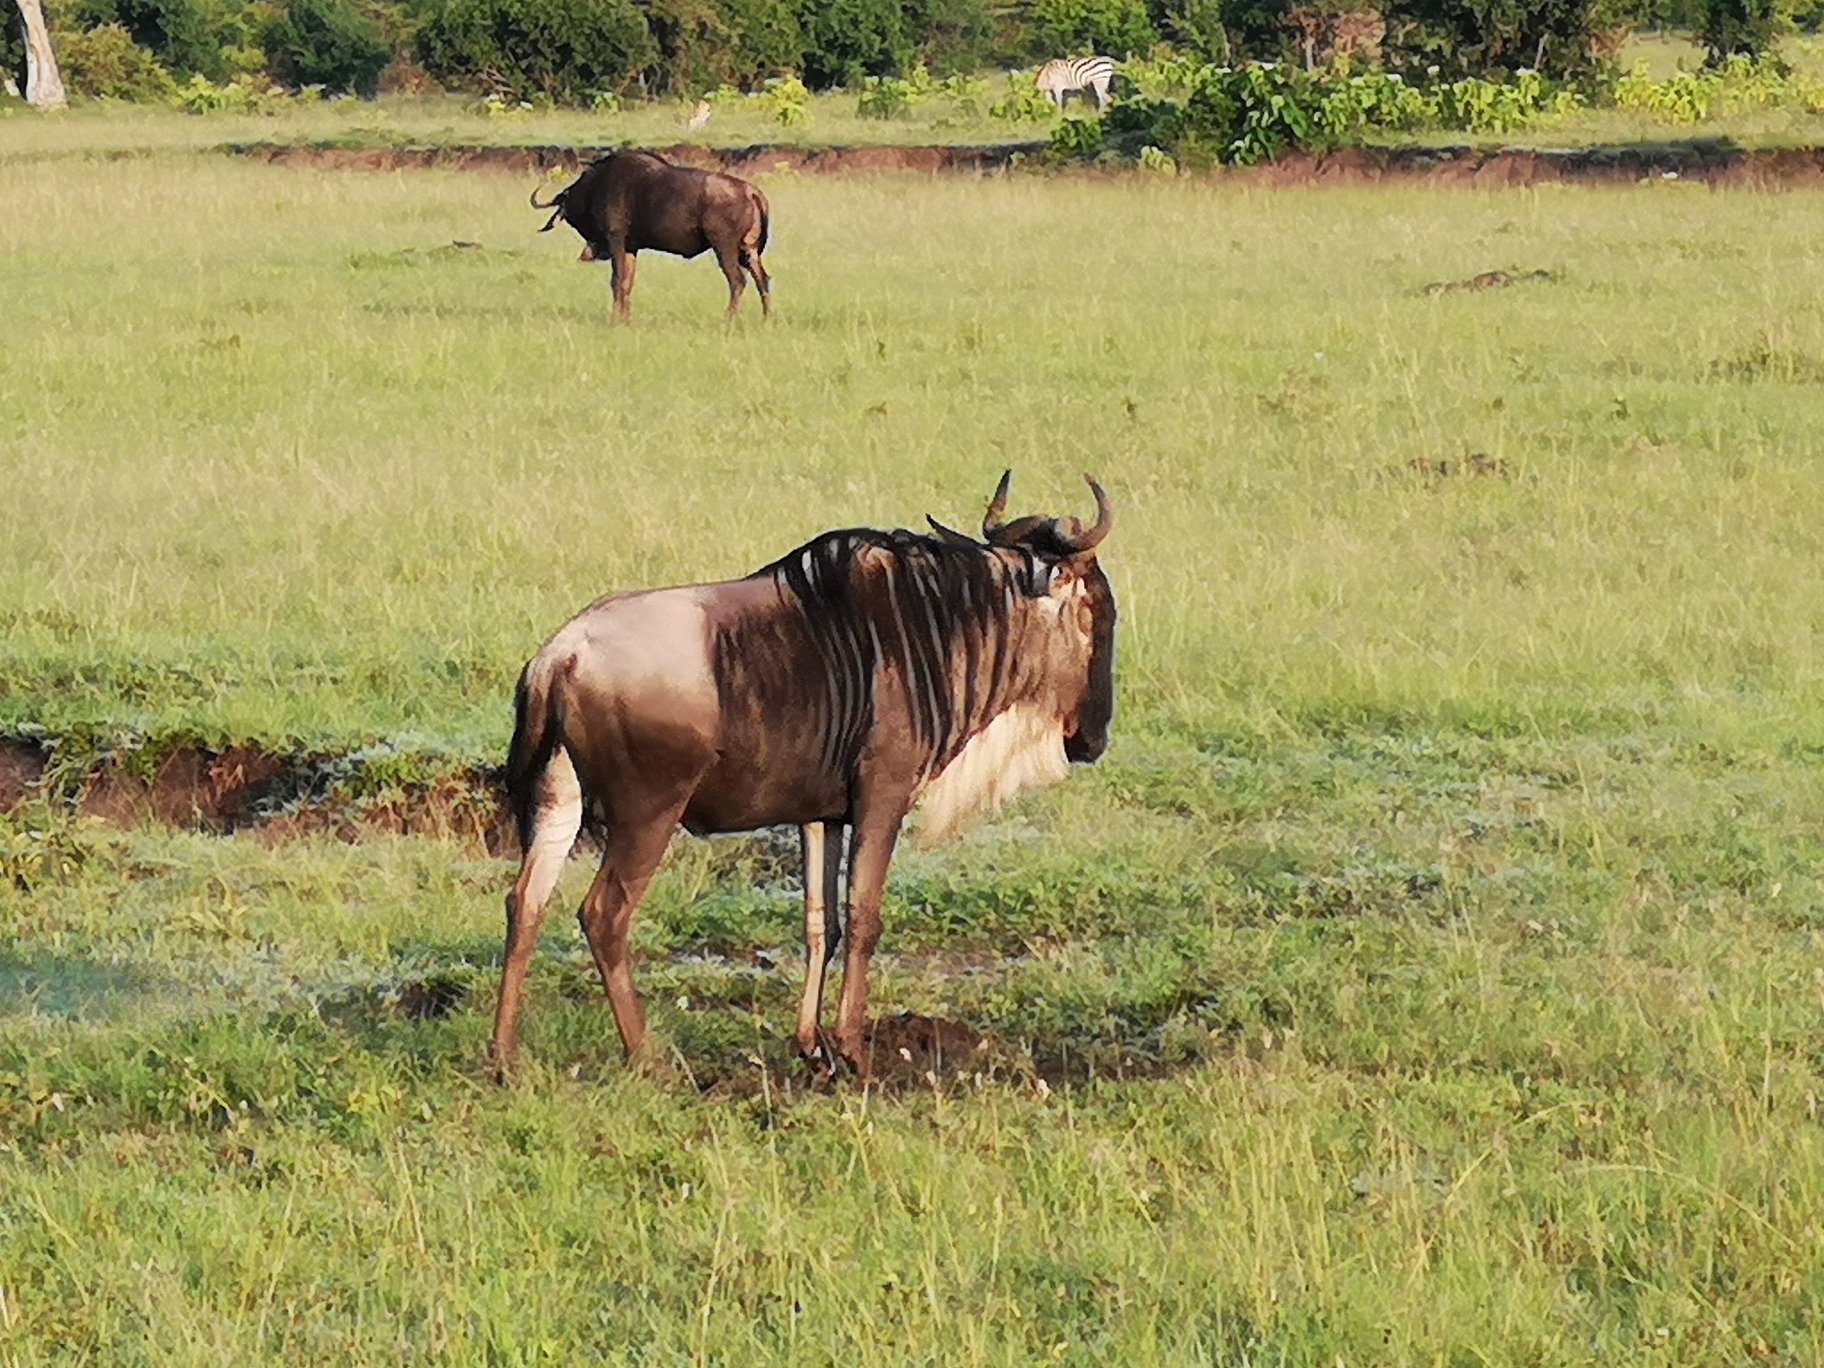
column 630, row 201
column 832, row 689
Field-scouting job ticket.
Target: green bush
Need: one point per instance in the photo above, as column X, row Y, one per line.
column 1493, row 38
column 1075, row 140
column 1688, row 97
column 244, row 94
column 558, row 51
column 326, row 43
column 737, row 43
column 12, row 44
column 1202, row 115
column 953, row 37
column 1023, row 101
column 1115, row 27
column 846, row 40
column 179, row 32
column 106, row 64
column 1737, row 28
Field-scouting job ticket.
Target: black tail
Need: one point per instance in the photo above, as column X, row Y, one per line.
column 538, row 730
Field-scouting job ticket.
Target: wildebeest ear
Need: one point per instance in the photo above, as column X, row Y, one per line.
column 951, row 535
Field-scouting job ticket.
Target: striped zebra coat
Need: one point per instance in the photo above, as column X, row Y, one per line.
column 1091, row 75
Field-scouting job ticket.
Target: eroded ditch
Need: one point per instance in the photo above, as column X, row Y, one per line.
column 1713, row 162
column 246, row 788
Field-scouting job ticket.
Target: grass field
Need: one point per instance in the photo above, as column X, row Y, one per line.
column 1431, row 973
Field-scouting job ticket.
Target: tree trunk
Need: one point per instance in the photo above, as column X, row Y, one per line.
column 43, row 85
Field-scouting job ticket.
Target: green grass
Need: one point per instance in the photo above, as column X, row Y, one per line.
column 1429, row 974
column 103, row 127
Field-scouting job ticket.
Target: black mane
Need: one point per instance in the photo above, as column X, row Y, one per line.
column 930, row 606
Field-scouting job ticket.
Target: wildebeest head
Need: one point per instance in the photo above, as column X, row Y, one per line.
column 1061, row 565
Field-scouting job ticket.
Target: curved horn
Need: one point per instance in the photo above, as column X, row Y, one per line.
column 555, row 200
column 991, row 520
column 950, row 534
column 1076, row 537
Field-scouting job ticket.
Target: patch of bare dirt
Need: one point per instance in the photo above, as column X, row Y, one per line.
column 22, row 765
column 912, row 1049
column 1488, row 280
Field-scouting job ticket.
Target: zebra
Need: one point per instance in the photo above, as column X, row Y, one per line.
column 1058, row 78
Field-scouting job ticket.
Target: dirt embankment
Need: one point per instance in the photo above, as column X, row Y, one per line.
column 978, row 160
column 245, row 788
column 1714, row 163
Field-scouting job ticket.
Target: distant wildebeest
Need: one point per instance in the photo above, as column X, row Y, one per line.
column 1068, row 75
column 859, row 674
column 630, row 201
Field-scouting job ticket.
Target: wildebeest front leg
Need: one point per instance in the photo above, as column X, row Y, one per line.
column 633, row 856
column 870, row 853
column 620, row 267
column 822, row 846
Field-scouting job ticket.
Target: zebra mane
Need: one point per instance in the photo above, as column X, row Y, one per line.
column 944, row 613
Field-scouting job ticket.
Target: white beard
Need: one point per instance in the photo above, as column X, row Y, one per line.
column 1021, row 748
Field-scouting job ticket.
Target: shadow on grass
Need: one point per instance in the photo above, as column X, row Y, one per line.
column 71, row 988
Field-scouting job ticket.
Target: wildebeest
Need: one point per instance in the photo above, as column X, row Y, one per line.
column 856, row 675
column 630, row 201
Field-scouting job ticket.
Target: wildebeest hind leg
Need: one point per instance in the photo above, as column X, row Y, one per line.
column 558, row 817
column 632, row 857
column 757, row 269
column 730, row 262
column 821, row 843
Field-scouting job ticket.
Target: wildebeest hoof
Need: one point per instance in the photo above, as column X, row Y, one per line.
column 823, row 1058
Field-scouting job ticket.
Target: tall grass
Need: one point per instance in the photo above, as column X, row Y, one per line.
column 273, row 422
column 1429, row 973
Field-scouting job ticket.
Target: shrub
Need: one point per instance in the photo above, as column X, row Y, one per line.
column 846, row 40
column 708, row 43
column 887, row 97
column 789, row 101
column 953, row 37
column 106, row 64
column 1075, row 140
column 1023, row 101
column 1737, row 28
column 1688, row 97
column 1493, row 37
column 560, row 51
column 178, row 32
column 12, row 44
column 200, row 95
column 1201, row 115
column 326, row 43
column 1116, row 27
column 760, row 40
